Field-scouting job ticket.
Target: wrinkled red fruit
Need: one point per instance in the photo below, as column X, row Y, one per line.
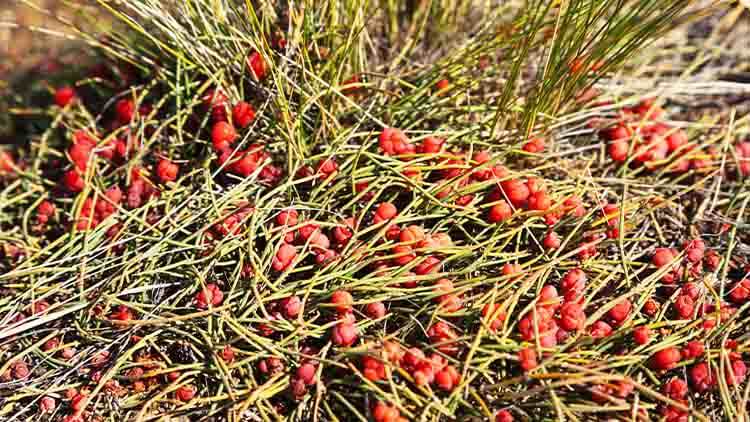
column 167, row 170
column 222, row 136
column 243, row 114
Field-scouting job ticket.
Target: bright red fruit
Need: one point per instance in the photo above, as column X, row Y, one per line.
column 257, row 66
column 503, row 416
column 73, row 181
column 344, row 333
column 64, row 96
column 620, row 311
column 393, row 141
column 685, row 306
column 375, row 310
column 702, row 377
column 284, row 257
column 551, row 241
column 306, row 373
column 539, row 201
column 342, row 300
column 222, row 136
column 185, row 393
column 167, row 170
column 666, row 359
column 600, row 329
column 662, row 257
column 210, row 295
column 527, row 359
column 47, row 404
column 499, row 212
column 675, row 389
column 618, row 150
column 642, row 335
column 243, row 114
column 125, row 109
column 693, row 349
column 291, row 306
column 741, row 291
column 431, row 145
column 516, row 191
column 442, row 84
column 572, row 316
column 535, row 145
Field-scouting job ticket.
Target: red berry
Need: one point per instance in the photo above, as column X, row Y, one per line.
column 620, row 311
column 499, row 212
column 431, row 145
column 539, row 201
column 404, row 254
column 227, row 353
column 651, row 307
column 327, row 167
column 662, row 257
column 516, row 191
column 600, row 329
column 666, row 359
column 210, row 295
column 642, row 335
column 685, row 306
column 677, row 139
column 125, row 109
column 510, row 269
column 693, row 349
column 243, row 114
column 427, row 266
column 393, row 141
column 618, row 150
column 64, row 96
column 284, row 257
column 47, row 404
column 736, row 372
column 701, row 377
column 573, row 283
column 442, row 84
column 527, row 359
column 222, row 136
column 572, row 316
column 185, row 393
column 375, row 310
column 551, row 241
column 167, row 171
column 712, row 260
column 385, row 211
column 342, row 300
column 503, row 416
column 548, row 297
column 287, row 218
column 257, row 66
column 344, row 333
column 73, row 181
column 675, row 389
column 741, row 291
column 306, row 373
column 291, row 306
column 411, row 234
column 534, row 146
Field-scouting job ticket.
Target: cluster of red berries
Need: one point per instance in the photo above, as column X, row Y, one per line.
column 640, row 138
column 382, row 412
column 424, row 370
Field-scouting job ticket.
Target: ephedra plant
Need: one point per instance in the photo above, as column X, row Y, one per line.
column 367, row 210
